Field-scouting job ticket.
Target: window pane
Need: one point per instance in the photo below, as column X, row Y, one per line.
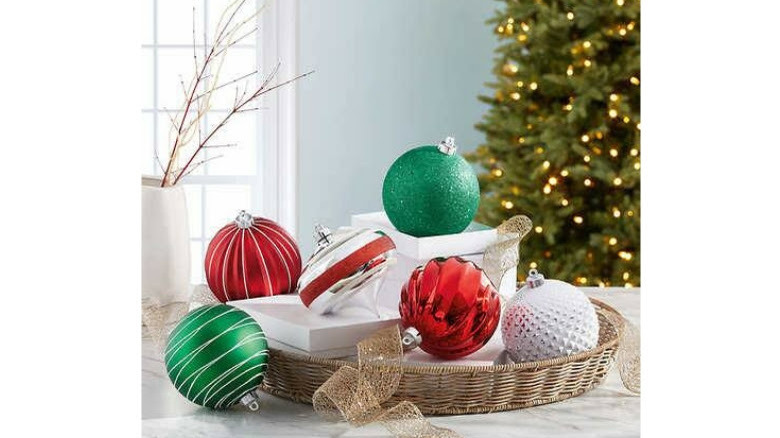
column 241, row 158
column 174, row 21
column 165, row 138
column 223, row 202
column 147, row 23
column 147, row 78
column 238, row 63
column 146, row 153
column 194, row 202
column 216, row 9
column 174, row 65
column 196, row 262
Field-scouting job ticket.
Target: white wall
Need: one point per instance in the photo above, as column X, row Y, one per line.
column 390, row 75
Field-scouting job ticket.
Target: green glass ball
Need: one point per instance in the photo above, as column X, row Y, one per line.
column 429, row 193
column 215, row 355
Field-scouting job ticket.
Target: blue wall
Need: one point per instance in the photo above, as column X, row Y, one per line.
column 390, row 75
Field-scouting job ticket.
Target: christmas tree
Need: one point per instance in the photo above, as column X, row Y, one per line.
column 562, row 137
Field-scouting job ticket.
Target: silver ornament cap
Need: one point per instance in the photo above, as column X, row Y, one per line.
column 447, row 146
column 535, row 279
column 244, row 220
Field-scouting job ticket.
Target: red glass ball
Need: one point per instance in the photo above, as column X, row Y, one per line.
column 453, row 305
column 252, row 257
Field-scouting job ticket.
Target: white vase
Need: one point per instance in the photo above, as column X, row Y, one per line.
column 165, row 244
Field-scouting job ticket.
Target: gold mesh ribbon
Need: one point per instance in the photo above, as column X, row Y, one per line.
column 158, row 320
column 629, row 352
column 356, row 395
column 504, row 254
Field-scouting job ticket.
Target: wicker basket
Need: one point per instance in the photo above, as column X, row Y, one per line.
column 460, row 389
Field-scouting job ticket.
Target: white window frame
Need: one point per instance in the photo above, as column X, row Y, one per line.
column 274, row 184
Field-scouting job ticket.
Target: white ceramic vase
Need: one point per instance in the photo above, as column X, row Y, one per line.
column 165, row 244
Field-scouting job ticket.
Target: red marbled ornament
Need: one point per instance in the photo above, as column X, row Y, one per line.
column 252, row 257
column 453, row 305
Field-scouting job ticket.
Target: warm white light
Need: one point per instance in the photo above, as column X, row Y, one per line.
column 564, row 172
column 553, row 180
column 613, row 97
column 585, row 138
column 612, row 241
column 564, row 202
column 613, row 152
column 515, row 95
column 577, row 219
column 570, row 15
column 538, row 229
column 634, row 152
column 586, row 158
column 586, row 44
column 547, row 189
column 533, row 85
column 546, row 164
column 588, row 182
column 508, row 205
column 617, row 181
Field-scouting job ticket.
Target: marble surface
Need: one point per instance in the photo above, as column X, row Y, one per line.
column 606, row 411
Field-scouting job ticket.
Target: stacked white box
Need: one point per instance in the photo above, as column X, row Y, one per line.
column 414, row 251
column 289, row 325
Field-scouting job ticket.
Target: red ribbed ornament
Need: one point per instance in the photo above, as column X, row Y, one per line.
column 453, row 305
column 252, row 257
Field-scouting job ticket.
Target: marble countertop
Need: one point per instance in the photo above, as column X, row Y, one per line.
column 608, row 410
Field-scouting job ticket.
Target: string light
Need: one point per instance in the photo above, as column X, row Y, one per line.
column 529, row 126
column 586, row 158
column 613, row 97
column 622, row 31
column 553, row 180
column 601, row 284
column 564, row 202
column 625, row 255
column 620, row 2
column 497, row 173
column 629, row 284
column 634, row 80
column 500, row 29
column 637, row 126
column 585, row 138
column 519, row 84
column 626, row 275
column 596, row 150
column 508, row 205
column 570, row 70
column 634, row 152
column 525, row 27
column 613, row 152
column 599, row 135
column 570, row 15
column 509, row 28
column 567, row 107
column 577, row 219
column 539, row 150
column 613, row 113
column 510, row 20
column 564, row 172
column 547, row 189
column 533, row 85
column 631, row 25
column 515, row 190
column 582, row 280
column 538, row 229
column 515, row 95
column 587, row 63
column 630, row 213
column 617, row 181
column 546, row 164
column 586, row 44
column 522, row 37
column 637, row 166
column 588, row 182
column 612, row 241
column 533, row 265
column 626, row 119
column 510, row 68
column 615, row 212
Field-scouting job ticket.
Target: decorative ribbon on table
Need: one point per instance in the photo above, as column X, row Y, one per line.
column 356, row 394
column 160, row 319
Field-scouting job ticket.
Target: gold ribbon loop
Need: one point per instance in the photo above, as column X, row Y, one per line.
column 356, row 395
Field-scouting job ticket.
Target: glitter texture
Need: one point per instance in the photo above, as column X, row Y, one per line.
column 429, row 193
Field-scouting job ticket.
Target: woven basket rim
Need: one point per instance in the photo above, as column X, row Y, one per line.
column 467, row 369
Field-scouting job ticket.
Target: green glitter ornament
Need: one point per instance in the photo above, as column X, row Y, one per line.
column 430, row 191
column 217, row 356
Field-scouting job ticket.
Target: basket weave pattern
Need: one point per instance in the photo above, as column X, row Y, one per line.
column 461, row 389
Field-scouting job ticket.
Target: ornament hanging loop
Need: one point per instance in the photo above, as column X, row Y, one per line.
column 447, row 146
column 244, row 220
column 535, row 279
column 322, row 236
column 251, row 401
column 411, row 338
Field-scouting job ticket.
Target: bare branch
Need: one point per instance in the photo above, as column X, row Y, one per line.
column 226, row 84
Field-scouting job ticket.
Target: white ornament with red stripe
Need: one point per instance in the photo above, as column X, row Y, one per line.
column 252, row 257
column 345, row 263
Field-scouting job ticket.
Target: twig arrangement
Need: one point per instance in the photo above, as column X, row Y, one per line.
column 187, row 139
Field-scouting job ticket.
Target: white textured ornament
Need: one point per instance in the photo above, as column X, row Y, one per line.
column 548, row 319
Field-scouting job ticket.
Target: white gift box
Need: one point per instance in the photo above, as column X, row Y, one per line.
column 412, row 252
column 289, row 325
